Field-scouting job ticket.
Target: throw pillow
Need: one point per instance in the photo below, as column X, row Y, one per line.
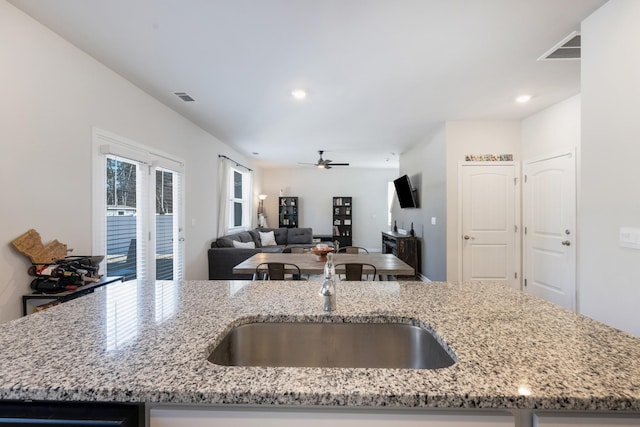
column 268, row 239
column 247, row 245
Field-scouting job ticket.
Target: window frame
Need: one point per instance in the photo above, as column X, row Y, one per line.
column 244, row 201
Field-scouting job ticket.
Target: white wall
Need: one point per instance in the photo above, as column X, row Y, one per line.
column 472, row 137
column 316, row 187
column 609, row 275
column 425, row 164
column 52, row 95
column 552, row 131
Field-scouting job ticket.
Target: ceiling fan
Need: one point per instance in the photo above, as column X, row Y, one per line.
column 325, row 164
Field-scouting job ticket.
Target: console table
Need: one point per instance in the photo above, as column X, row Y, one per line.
column 68, row 295
column 405, row 247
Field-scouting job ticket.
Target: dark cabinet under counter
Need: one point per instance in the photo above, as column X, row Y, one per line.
column 58, row 413
column 405, row 247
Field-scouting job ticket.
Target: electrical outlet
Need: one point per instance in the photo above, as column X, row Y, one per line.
column 433, row 220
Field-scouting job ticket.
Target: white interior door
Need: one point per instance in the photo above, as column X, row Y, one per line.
column 549, row 220
column 488, row 223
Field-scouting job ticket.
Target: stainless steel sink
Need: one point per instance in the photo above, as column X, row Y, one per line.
column 331, row 345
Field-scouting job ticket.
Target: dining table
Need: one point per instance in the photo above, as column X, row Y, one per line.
column 388, row 266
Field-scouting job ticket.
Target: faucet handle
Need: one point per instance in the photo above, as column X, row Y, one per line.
column 328, row 292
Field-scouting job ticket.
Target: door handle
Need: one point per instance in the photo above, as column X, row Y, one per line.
column 467, row 237
column 566, row 243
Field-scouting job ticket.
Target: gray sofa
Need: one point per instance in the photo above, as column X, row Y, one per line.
column 223, row 256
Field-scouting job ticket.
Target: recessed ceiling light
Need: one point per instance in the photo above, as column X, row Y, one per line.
column 299, row 93
column 523, row 98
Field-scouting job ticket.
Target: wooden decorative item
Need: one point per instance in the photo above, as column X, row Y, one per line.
column 30, row 244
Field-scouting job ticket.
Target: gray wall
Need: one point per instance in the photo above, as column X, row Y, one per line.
column 316, row 188
column 609, row 275
column 426, row 164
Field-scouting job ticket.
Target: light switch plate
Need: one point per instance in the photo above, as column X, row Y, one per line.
column 629, row 237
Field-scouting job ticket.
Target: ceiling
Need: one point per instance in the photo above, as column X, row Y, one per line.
column 381, row 75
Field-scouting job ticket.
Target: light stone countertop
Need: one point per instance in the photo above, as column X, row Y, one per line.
column 149, row 342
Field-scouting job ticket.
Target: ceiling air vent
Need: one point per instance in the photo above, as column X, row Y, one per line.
column 568, row 48
column 184, row 96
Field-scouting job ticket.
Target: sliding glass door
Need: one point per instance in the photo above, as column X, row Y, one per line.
column 138, row 211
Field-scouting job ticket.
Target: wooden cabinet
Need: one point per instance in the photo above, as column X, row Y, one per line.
column 288, row 212
column 342, row 216
column 405, row 247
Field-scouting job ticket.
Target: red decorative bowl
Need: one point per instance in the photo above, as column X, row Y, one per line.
column 321, row 253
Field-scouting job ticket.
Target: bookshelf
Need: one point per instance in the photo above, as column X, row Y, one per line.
column 342, row 220
column 288, row 212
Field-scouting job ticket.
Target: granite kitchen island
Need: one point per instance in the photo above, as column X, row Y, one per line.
column 149, row 342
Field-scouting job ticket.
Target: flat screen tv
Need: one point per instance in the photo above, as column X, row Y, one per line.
column 406, row 193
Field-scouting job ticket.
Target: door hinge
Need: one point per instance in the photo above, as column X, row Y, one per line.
column 515, row 181
column 525, row 179
column 525, row 283
column 515, row 228
column 149, row 236
column 515, row 275
column 525, row 230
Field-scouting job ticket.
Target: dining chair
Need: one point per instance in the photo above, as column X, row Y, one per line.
column 353, row 250
column 276, row 271
column 354, row 271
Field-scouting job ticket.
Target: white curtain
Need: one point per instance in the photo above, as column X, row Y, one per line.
column 224, row 171
column 249, row 213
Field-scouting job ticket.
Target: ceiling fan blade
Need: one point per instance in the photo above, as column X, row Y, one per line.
column 324, row 163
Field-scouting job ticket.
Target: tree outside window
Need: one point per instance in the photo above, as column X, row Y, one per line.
column 121, row 183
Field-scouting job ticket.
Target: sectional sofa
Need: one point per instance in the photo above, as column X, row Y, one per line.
column 228, row 251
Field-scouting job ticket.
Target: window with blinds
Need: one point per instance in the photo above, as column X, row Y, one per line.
column 240, row 192
column 168, row 231
column 125, row 185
